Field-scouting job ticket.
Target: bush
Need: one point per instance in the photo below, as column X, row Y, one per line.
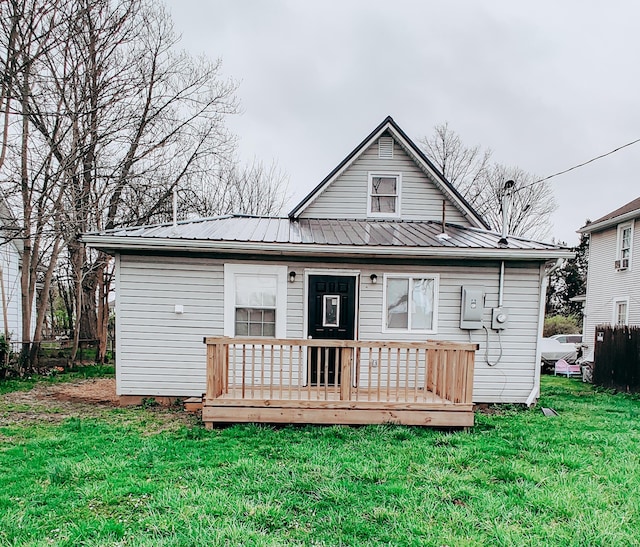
column 559, row 324
column 8, row 365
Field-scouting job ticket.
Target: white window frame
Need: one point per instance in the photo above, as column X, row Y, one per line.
column 410, row 277
column 616, row 304
column 231, row 271
column 398, row 177
column 621, row 229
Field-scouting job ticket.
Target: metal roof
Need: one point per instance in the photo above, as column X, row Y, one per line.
column 308, row 235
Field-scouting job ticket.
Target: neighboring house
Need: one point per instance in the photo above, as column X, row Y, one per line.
column 10, row 257
column 613, row 279
column 364, row 256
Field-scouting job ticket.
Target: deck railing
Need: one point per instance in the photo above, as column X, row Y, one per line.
column 339, row 370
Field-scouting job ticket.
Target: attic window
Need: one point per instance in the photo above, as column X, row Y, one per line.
column 384, row 194
column 385, row 148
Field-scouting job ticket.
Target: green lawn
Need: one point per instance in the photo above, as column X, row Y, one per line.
column 148, row 476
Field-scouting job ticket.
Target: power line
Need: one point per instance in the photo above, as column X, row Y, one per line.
column 579, row 165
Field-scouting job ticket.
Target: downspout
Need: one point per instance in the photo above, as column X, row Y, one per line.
column 501, row 286
column 544, row 282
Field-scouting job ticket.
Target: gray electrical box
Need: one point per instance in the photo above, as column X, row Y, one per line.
column 499, row 318
column 472, row 307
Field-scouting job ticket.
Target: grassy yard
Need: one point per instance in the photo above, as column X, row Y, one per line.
column 148, row 476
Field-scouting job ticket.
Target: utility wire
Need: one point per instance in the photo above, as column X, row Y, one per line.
column 579, row 165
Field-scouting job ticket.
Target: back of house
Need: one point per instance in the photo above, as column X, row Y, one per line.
column 383, row 249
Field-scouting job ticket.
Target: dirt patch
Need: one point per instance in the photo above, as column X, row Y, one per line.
column 100, row 391
column 93, row 398
column 96, row 391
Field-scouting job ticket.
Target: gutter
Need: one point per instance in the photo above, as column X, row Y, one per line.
column 116, row 243
column 544, row 282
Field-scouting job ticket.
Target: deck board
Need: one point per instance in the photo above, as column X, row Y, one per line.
column 332, row 393
column 320, row 406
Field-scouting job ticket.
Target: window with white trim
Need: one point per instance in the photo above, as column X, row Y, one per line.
column 384, row 194
column 410, row 303
column 625, row 245
column 255, row 303
column 621, row 311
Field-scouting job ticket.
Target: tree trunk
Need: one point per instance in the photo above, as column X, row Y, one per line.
column 103, row 315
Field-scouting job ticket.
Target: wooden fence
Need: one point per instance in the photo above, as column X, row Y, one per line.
column 617, row 357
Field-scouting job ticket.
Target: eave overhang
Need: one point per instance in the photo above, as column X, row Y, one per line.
column 609, row 223
column 116, row 244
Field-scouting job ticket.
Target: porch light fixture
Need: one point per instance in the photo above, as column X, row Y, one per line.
column 292, row 277
column 374, row 278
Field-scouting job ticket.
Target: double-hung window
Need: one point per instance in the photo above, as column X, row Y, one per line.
column 625, row 245
column 255, row 300
column 621, row 311
column 384, row 194
column 410, row 303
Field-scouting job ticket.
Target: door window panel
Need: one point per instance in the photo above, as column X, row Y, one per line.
column 330, row 310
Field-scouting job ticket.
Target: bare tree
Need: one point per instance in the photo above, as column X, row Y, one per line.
column 462, row 166
column 32, row 175
column 108, row 120
column 481, row 182
column 251, row 189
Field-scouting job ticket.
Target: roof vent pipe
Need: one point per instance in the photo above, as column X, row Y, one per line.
column 506, row 206
column 443, row 234
column 175, row 207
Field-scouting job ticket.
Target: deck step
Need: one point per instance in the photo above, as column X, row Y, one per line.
column 193, row 404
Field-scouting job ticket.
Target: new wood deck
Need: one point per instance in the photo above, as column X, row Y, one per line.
column 338, row 382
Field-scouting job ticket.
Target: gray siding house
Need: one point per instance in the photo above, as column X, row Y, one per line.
column 613, row 278
column 383, row 249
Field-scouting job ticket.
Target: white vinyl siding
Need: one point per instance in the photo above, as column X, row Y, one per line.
column 11, row 278
column 605, row 284
column 161, row 352
column 347, row 196
column 512, row 380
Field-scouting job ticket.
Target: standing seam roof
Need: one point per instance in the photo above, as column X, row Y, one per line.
column 327, row 232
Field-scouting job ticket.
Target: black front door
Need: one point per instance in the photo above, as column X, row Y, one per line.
column 332, row 312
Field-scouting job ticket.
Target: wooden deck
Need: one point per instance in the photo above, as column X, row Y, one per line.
column 338, row 382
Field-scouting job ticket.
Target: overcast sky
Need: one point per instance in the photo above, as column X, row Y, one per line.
column 544, row 84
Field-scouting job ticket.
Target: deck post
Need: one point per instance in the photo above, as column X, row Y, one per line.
column 210, row 370
column 346, row 362
column 217, row 362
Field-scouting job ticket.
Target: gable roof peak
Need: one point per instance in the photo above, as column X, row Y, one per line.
column 414, row 152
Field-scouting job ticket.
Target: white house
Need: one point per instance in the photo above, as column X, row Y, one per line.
column 10, row 295
column 383, row 249
column 613, row 279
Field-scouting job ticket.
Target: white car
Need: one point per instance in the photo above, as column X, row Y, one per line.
column 553, row 350
column 566, row 338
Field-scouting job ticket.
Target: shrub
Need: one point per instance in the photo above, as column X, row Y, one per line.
column 559, row 324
